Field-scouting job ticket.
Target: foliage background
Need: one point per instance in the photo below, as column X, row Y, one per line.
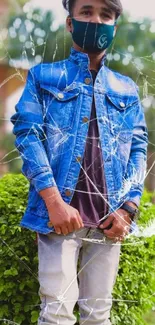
column 18, row 263
column 33, row 37
column 133, row 54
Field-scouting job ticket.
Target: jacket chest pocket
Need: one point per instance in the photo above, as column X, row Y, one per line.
column 121, row 115
column 60, row 108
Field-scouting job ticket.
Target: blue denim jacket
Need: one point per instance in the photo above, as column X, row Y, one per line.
column 51, row 125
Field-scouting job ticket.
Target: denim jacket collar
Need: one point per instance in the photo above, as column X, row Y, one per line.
column 82, row 58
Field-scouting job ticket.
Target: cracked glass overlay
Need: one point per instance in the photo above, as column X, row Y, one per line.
column 63, row 136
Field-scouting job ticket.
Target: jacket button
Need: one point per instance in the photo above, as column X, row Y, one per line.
column 49, row 224
column 78, row 159
column 61, row 95
column 85, row 119
column 87, row 81
column 68, row 193
column 122, row 104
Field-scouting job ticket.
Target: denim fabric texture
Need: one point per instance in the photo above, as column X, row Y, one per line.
column 51, row 125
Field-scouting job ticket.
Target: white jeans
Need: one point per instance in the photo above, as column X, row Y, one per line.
column 60, row 285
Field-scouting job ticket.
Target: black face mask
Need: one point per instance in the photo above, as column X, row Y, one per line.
column 92, row 37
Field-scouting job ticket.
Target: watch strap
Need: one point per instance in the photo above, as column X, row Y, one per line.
column 132, row 211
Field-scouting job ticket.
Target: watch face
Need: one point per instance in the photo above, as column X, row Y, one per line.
column 135, row 214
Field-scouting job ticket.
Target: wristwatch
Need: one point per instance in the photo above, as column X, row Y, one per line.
column 132, row 211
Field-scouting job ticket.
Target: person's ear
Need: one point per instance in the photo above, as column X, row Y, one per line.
column 69, row 24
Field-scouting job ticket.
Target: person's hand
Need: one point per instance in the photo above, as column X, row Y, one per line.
column 119, row 223
column 64, row 218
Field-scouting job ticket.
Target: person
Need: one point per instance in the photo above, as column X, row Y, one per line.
column 81, row 132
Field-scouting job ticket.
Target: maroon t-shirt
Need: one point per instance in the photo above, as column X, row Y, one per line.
column 86, row 200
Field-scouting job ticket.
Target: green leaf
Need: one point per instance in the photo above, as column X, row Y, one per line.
column 12, row 271
column 34, row 316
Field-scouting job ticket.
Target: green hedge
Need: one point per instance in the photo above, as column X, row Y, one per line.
column 19, row 299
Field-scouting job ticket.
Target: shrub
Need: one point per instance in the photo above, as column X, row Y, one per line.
column 135, row 285
column 18, row 255
column 136, row 278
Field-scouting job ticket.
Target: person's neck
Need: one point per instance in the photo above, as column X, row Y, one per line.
column 95, row 58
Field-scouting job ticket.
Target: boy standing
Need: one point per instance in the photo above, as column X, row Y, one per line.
column 82, row 135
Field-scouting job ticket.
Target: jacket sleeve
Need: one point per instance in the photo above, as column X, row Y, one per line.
column 28, row 129
column 136, row 168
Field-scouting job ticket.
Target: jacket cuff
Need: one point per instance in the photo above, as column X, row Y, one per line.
column 135, row 196
column 43, row 180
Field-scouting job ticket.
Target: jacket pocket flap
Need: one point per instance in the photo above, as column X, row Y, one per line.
column 61, row 95
column 122, row 103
